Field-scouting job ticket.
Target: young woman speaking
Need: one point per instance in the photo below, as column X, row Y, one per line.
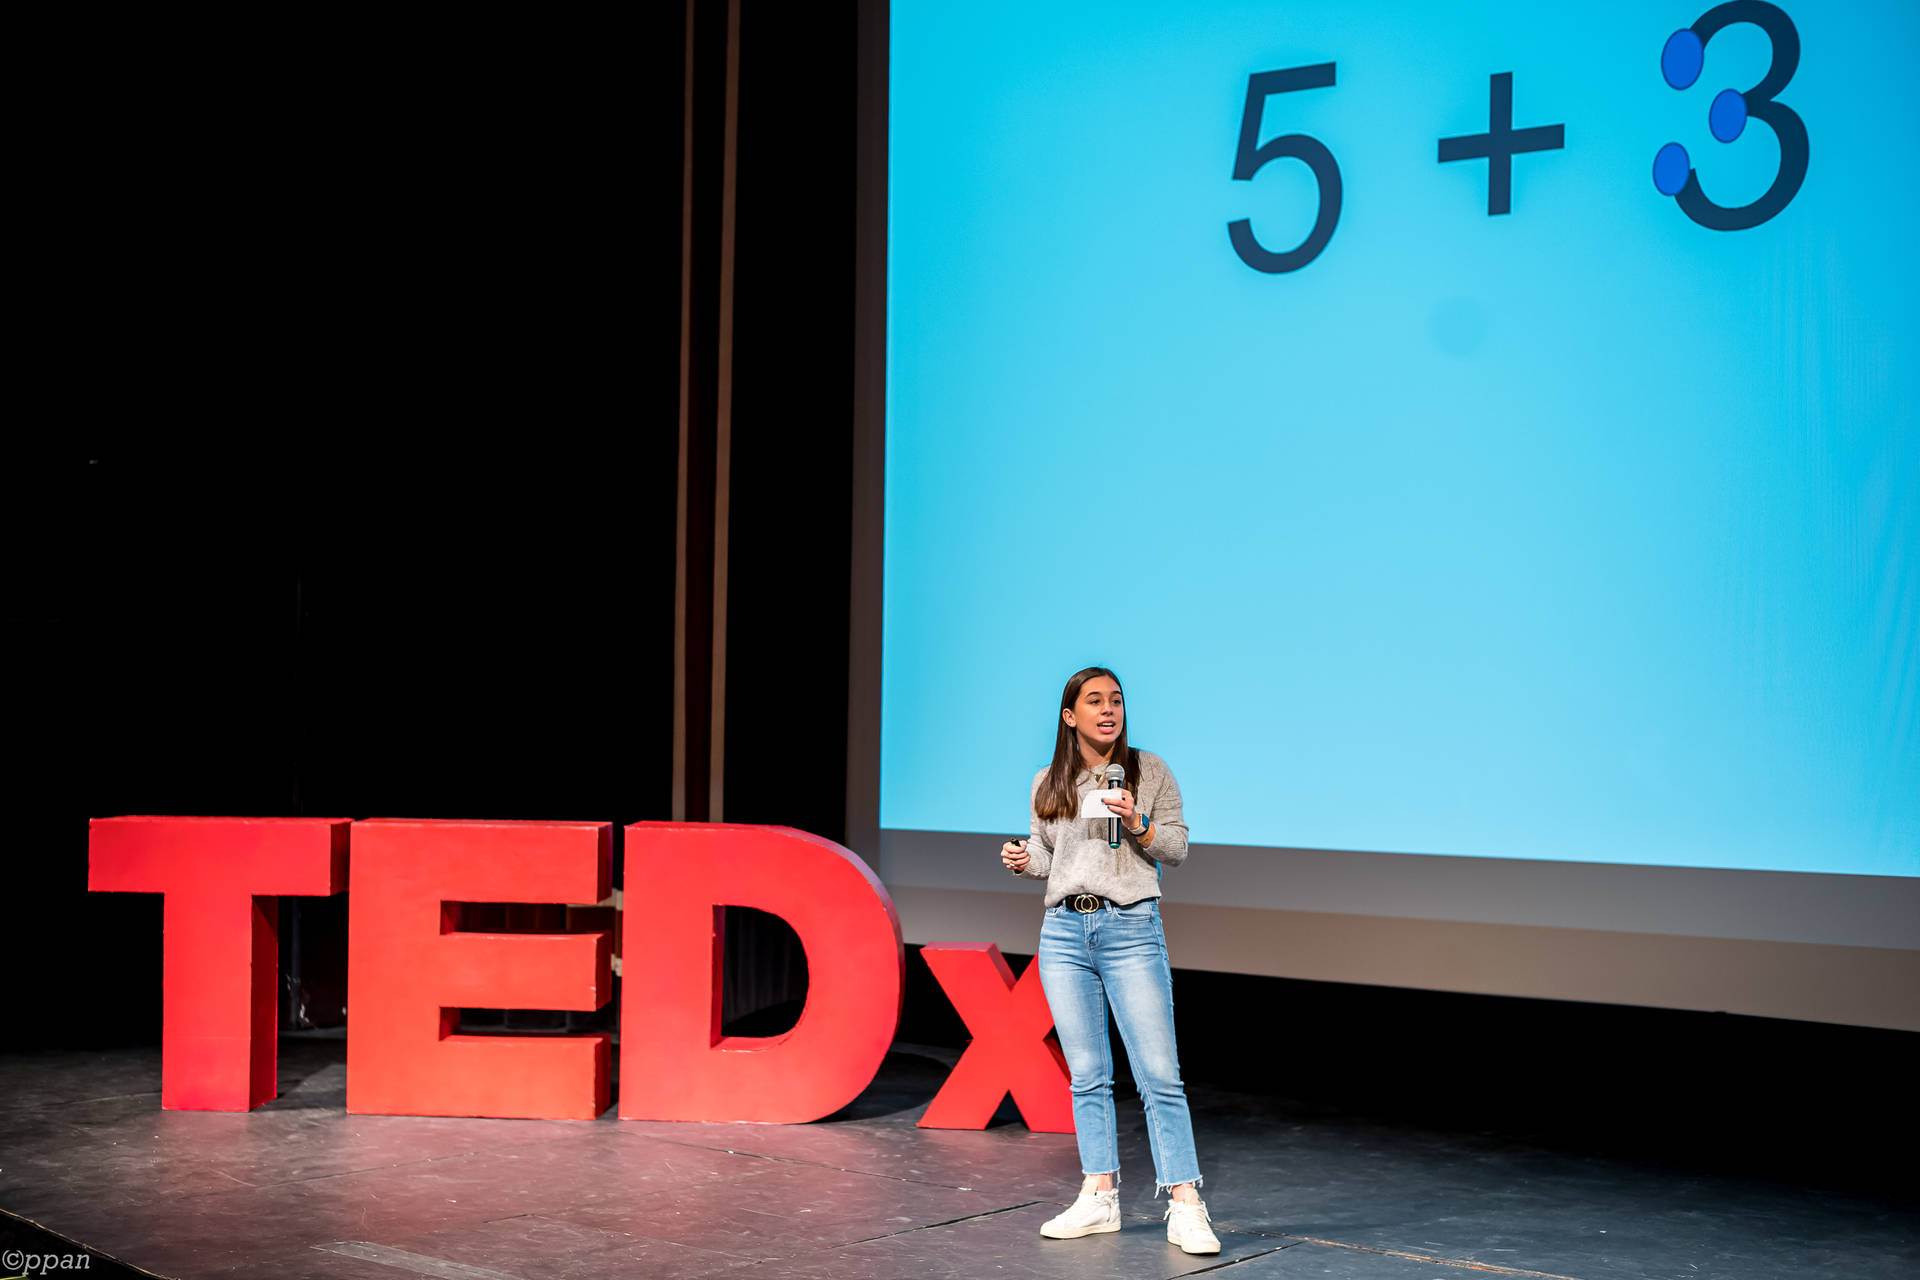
column 1101, row 948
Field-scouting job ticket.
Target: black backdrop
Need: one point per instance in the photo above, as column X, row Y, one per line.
column 377, row 513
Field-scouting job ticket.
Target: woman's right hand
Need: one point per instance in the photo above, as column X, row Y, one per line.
column 1013, row 855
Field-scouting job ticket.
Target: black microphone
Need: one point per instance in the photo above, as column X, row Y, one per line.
column 1116, row 777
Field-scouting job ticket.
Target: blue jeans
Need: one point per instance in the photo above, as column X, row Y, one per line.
column 1117, row 956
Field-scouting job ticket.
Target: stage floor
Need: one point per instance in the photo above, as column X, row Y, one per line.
column 299, row 1188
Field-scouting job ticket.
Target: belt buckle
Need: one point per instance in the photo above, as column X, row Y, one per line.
column 1084, row 902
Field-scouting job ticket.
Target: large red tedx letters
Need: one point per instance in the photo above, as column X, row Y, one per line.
column 680, row 1067
column 411, row 969
column 220, row 959
column 409, row 972
column 1013, row 1050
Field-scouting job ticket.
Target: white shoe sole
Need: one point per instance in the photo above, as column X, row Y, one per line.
column 1074, row 1233
column 1187, row 1248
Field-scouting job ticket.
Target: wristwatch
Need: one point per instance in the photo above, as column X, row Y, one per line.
column 1146, row 820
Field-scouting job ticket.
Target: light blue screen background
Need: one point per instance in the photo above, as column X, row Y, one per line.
column 1577, row 533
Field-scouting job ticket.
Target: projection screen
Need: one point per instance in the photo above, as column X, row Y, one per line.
column 1482, row 439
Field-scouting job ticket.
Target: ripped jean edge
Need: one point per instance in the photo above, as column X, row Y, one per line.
column 1198, row 1180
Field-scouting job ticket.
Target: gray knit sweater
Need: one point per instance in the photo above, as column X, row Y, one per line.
column 1073, row 857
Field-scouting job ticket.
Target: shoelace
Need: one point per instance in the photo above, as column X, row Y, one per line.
column 1205, row 1217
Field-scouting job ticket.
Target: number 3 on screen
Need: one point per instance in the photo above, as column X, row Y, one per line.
column 1249, row 159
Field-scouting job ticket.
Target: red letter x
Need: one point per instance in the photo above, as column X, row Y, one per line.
column 1013, row 1049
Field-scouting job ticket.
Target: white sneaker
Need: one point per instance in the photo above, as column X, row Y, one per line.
column 1091, row 1212
column 1189, row 1227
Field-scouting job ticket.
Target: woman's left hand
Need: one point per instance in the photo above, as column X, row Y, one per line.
column 1122, row 808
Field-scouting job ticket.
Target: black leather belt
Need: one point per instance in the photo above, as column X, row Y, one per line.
column 1086, row 902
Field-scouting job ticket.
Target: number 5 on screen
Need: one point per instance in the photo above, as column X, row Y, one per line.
column 1249, row 159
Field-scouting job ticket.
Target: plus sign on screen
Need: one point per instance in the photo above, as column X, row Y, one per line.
column 1501, row 142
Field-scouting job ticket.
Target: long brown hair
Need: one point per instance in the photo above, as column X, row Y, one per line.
column 1057, row 797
